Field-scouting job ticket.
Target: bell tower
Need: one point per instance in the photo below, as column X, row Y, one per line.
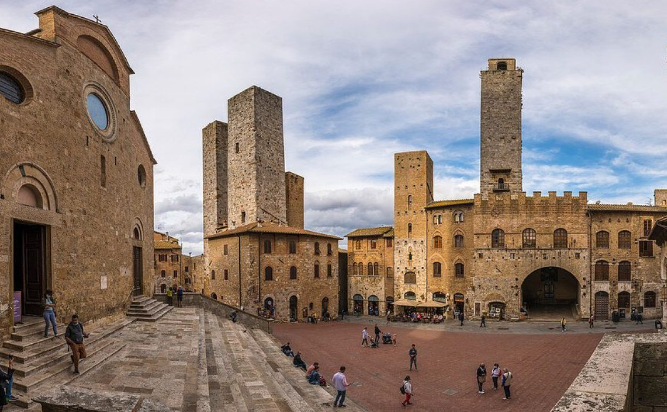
column 500, row 128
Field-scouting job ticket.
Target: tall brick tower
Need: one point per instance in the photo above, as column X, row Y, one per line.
column 215, row 149
column 501, row 127
column 256, row 158
column 413, row 190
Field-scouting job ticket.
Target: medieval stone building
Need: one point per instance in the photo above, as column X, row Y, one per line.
column 173, row 268
column 503, row 249
column 257, row 255
column 76, row 172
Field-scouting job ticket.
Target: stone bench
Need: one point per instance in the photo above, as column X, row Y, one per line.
column 69, row 399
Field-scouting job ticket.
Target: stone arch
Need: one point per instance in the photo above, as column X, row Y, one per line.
column 550, row 291
column 99, row 54
column 27, row 173
column 137, row 227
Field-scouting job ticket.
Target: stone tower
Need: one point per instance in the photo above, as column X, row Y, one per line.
column 214, row 138
column 256, row 159
column 500, row 163
column 294, row 186
column 413, row 190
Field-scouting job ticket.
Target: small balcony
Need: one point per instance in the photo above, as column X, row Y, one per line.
column 501, row 187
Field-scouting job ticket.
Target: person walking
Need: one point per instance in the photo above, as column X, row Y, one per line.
column 170, row 296
column 377, row 334
column 639, row 319
column 461, row 317
column 49, row 303
column 179, row 297
column 507, row 382
column 339, row 382
column 495, row 373
column 74, row 337
column 481, row 377
column 563, row 325
column 591, row 319
column 388, row 316
column 407, row 389
column 482, row 323
column 364, row 337
column 413, row 356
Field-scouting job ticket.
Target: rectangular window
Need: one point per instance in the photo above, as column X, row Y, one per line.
column 390, row 242
column 226, row 274
column 648, row 224
column 213, row 275
column 390, row 273
column 103, row 171
column 624, row 239
column 646, row 248
column 187, row 269
column 329, row 250
column 225, row 251
column 329, row 270
column 175, row 273
column 374, row 244
column 317, row 270
column 174, row 258
column 292, row 246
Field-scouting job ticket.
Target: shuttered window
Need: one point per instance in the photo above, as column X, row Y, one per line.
column 10, row 88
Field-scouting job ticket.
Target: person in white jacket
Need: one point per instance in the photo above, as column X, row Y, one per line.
column 407, row 387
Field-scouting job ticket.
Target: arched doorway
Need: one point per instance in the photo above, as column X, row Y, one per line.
column 390, row 304
column 163, row 288
column 551, row 293
column 373, row 305
column 459, row 303
column 358, row 304
column 602, row 306
column 325, row 306
column 214, row 296
column 293, row 313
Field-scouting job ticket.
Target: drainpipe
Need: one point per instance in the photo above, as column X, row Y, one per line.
column 240, row 294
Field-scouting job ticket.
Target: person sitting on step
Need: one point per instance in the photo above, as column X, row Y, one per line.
column 298, row 362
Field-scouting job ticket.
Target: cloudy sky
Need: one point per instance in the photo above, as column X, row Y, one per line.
column 361, row 80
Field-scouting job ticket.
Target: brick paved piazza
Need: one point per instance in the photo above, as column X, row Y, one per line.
column 544, row 362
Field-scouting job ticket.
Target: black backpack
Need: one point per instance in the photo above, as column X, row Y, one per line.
column 403, row 389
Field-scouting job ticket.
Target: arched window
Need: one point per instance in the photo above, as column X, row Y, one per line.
column 601, row 270
column 458, row 240
column 28, row 195
column 649, row 299
column 602, row 240
column 11, row 89
column 498, row 239
column 409, row 229
column 361, row 269
column 410, row 295
column 370, row 269
column 458, row 217
column 502, row 65
column 268, row 273
column 357, row 244
column 410, row 277
column 214, row 296
column 624, row 239
column 141, row 176
column 409, row 201
column 501, row 184
column 437, row 269
column 459, row 270
column 329, row 250
column 136, row 234
column 267, row 246
column 529, row 238
column 439, row 297
column 410, row 254
column 317, row 248
column 624, row 300
column 560, row 239
column 163, row 273
column 316, row 270
column 376, row 270
column 292, row 247
column 330, row 270
column 624, row 271
column 437, row 242
column 292, row 272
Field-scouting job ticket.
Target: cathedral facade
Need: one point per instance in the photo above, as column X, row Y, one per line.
column 504, row 250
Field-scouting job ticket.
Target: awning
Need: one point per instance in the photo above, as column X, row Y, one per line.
column 406, row 302
column 432, row 304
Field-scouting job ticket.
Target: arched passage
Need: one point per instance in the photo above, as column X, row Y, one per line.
column 550, row 292
column 293, row 312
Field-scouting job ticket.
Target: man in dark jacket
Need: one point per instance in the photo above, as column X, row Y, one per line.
column 74, row 336
column 6, row 380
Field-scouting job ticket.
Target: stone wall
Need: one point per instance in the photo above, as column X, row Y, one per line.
column 649, row 377
column 294, row 186
column 89, row 209
column 365, row 283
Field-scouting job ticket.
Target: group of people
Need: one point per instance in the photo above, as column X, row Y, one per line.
column 504, row 375
column 417, row 317
column 387, row 338
column 179, row 296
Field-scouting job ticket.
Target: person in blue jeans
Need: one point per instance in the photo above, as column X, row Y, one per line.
column 6, row 382
column 49, row 303
column 340, row 383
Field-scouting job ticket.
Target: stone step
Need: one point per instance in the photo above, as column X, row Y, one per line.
column 156, row 316
column 140, row 298
column 61, row 373
column 29, row 321
column 34, row 333
column 147, row 306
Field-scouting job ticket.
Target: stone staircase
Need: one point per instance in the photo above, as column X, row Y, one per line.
column 146, row 309
column 41, row 362
column 248, row 372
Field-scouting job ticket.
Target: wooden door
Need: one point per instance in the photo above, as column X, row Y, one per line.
column 601, row 306
column 33, row 269
column 137, row 270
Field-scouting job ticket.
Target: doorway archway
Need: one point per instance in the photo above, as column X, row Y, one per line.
column 550, row 292
column 358, row 304
column 293, row 312
column 373, row 305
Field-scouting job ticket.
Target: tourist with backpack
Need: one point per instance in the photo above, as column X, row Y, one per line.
column 406, row 389
column 507, row 382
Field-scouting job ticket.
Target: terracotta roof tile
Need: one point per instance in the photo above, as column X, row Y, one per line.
column 269, row 228
column 370, row 231
column 626, row 208
column 455, row 202
column 163, row 244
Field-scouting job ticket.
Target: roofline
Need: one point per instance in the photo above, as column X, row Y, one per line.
column 265, row 229
column 28, row 36
column 456, row 202
column 113, row 38
column 135, row 117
